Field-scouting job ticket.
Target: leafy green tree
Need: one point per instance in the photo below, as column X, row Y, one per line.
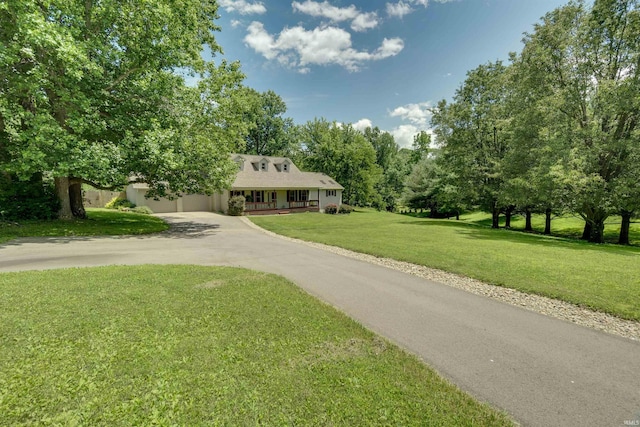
column 474, row 134
column 90, row 92
column 344, row 153
column 270, row 133
column 585, row 62
column 421, row 146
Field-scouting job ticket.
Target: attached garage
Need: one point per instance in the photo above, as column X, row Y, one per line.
column 196, row 203
column 159, row 206
column 186, row 203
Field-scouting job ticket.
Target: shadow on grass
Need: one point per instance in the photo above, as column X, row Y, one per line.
column 177, row 230
column 479, row 232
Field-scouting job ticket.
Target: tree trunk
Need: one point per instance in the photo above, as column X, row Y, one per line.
column 495, row 218
column 547, row 221
column 75, row 197
column 62, row 190
column 527, row 222
column 507, row 217
column 586, row 233
column 457, row 215
column 624, row 228
column 597, row 231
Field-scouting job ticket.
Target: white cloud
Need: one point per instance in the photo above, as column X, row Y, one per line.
column 399, row 9
column 298, row 48
column 362, row 124
column 361, row 21
column 418, row 114
column 326, row 10
column 405, row 7
column 365, row 21
column 242, row 7
column 235, row 23
column 404, row 134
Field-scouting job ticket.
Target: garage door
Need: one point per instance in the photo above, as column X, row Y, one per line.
column 162, row 205
column 196, row 203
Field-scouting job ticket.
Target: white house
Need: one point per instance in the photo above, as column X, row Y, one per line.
column 269, row 185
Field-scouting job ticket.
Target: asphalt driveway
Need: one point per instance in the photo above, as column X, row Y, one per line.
column 543, row 371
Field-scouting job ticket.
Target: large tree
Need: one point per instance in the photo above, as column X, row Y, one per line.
column 345, row 154
column 270, row 133
column 474, row 134
column 586, row 63
column 92, row 92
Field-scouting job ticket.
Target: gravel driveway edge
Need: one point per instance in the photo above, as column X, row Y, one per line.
column 550, row 307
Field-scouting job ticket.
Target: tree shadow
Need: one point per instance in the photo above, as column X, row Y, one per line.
column 183, row 229
column 480, row 232
column 188, row 230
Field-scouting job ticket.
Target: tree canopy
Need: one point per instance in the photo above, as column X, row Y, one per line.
column 93, row 92
column 556, row 129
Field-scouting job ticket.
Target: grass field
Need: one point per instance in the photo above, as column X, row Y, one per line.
column 99, row 222
column 567, row 226
column 187, row 345
column 602, row 277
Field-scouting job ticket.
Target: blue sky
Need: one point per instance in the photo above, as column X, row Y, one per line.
column 378, row 63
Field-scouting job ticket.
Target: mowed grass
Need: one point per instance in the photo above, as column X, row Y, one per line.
column 196, row 346
column 566, row 226
column 100, row 222
column 601, row 277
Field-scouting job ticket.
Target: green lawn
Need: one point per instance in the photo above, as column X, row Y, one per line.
column 567, row 226
column 602, row 277
column 188, row 345
column 99, row 222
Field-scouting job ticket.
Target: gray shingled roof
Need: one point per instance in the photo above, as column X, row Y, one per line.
column 275, row 178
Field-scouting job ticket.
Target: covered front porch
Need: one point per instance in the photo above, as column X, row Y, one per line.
column 266, row 202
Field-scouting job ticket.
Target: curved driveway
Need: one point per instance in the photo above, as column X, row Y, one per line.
column 543, row 371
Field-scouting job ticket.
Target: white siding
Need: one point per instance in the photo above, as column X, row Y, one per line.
column 327, row 200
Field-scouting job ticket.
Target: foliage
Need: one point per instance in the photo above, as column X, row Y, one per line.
column 100, row 222
column 556, row 130
column 331, row 209
column 236, row 206
column 93, row 92
column 119, row 202
column 345, row 209
column 145, row 210
column 24, row 200
column 171, row 345
column 269, row 134
column 395, row 164
column 343, row 153
column 531, row 263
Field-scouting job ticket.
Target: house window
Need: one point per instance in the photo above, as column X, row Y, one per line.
column 273, row 196
column 297, row 195
column 258, row 196
column 331, row 193
column 237, row 193
column 285, row 167
column 263, row 166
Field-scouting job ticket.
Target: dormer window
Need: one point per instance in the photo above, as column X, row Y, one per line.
column 263, row 166
column 285, row 167
column 240, row 162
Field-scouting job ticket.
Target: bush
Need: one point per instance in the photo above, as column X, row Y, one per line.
column 331, row 209
column 142, row 210
column 33, row 199
column 236, row 206
column 118, row 203
column 345, row 209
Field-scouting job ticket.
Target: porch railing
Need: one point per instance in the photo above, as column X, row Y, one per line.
column 260, row 206
column 303, row 204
